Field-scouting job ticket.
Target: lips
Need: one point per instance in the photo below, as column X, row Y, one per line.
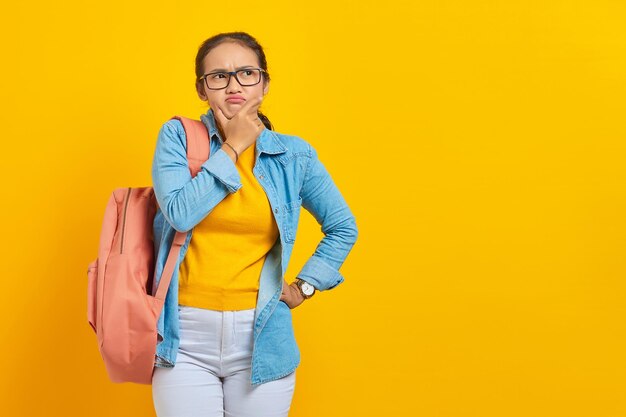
column 235, row 99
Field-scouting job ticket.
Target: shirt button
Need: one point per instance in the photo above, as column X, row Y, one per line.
column 275, row 210
column 261, row 177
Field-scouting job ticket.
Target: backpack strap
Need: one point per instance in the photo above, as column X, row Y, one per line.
column 198, row 150
column 198, row 144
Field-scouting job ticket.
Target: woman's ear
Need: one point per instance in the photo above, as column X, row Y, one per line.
column 200, row 91
column 266, row 88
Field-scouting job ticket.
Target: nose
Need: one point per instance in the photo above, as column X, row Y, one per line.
column 233, row 85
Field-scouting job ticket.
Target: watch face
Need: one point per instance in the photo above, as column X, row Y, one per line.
column 307, row 288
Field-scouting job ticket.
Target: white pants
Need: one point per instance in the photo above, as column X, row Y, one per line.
column 211, row 377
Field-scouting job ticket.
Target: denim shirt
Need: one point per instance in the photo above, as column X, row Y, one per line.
column 288, row 169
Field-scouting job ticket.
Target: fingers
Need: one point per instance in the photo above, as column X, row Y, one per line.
column 249, row 112
column 254, row 113
column 252, row 106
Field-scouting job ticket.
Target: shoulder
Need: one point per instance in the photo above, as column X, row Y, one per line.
column 172, row 133
column 172, row 126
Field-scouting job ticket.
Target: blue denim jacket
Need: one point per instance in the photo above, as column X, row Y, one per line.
column 288, row 169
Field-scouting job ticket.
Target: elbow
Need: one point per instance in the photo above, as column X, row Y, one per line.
column 178, row 223
column 181, row 223
column 347, row 231
column 354, row 230
column 176, row 210
column 180, row 227
column 177, row 218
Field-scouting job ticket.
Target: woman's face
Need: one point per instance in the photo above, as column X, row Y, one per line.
column 230, row 56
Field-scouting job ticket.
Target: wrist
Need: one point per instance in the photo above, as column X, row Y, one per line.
column 236, row 143
column 306, row 290
column 231, row 150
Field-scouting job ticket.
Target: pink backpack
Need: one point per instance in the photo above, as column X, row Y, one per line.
column 122, row 306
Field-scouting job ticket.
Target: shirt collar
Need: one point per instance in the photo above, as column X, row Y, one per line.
column 267, row 142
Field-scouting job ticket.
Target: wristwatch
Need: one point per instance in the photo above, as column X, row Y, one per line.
column 307, row 290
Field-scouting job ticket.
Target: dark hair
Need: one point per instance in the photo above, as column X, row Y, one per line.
column 244, row 39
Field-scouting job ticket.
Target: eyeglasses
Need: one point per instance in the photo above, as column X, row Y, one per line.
column 245, row 77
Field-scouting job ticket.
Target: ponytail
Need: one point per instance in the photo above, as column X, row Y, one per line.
column 265, row 120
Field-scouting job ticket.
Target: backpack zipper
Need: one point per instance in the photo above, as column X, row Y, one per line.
column 124, row 219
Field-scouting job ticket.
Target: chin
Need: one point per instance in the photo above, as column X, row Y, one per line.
column 226, row 112
column 229, row 115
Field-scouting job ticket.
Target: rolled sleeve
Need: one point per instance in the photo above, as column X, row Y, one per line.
column 319, row 274
column 223, row 168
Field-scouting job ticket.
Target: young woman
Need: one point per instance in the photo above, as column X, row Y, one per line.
column 226, row 341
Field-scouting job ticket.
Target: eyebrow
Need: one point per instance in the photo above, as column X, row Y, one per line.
column 225, row 70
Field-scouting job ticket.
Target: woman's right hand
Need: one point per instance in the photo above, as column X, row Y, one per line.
column 244, row 127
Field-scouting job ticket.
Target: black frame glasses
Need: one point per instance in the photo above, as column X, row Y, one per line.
column 230, row 74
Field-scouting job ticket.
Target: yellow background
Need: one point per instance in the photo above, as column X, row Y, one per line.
column 480, row 145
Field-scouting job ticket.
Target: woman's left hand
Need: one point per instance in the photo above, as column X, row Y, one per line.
column 291, row 295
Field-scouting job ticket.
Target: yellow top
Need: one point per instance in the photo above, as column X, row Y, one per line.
column 222, row 266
